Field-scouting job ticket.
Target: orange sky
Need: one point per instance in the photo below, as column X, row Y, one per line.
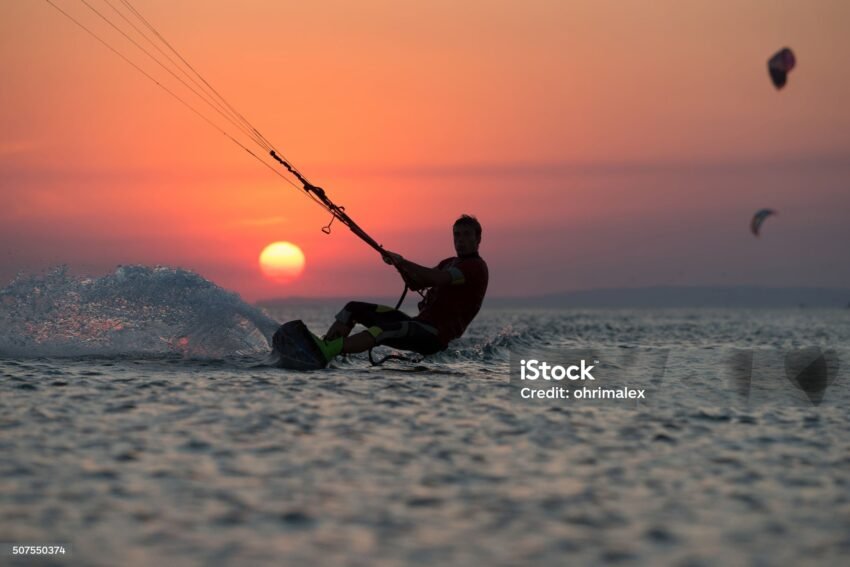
column 602, row 144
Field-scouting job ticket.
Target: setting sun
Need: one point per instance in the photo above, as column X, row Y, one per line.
column 282, row 261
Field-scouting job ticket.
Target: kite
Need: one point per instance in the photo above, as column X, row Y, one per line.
column 780, row 65
column 759, row 218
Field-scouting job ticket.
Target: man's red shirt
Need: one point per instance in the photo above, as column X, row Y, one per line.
column 451, row 307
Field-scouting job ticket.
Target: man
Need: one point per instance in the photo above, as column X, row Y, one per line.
column 456, row 288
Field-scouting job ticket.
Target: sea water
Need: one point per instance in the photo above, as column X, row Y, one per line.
column 142, row 422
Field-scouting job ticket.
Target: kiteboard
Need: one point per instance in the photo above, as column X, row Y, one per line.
column 296, row 349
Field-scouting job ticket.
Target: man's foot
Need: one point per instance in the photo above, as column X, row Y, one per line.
column 329, row 348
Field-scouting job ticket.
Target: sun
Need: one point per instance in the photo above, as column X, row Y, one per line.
column 282, row 261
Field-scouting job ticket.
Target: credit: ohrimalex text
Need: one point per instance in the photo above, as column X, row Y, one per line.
column 534, row 369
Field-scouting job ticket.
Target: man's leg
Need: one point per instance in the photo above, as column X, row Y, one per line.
column 360, row 342
column 409, row 335
column 406, row 335
column 414, row 336
column 336, row 330
column 350, row 315
column 367, row 314
column 375, row 317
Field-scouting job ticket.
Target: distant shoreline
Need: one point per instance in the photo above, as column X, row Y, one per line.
column 645, row 297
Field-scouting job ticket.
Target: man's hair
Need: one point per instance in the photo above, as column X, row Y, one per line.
column 469, row 220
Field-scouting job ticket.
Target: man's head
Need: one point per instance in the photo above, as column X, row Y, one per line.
column 467, row 235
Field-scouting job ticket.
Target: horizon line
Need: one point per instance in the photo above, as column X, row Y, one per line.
column 556, row 294
column 513, row 168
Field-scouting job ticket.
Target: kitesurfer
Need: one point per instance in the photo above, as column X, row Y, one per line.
column 455, row 290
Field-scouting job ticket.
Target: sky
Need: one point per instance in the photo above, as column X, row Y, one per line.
column 601, row 143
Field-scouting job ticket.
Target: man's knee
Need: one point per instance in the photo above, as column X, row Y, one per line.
column 353, row 311
column 390, row 332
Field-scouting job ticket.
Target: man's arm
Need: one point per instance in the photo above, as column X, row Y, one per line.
column 419, row 277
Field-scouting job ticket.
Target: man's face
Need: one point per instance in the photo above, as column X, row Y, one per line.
column 465, row 240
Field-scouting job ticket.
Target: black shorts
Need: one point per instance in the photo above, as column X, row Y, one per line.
column 391, row 327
